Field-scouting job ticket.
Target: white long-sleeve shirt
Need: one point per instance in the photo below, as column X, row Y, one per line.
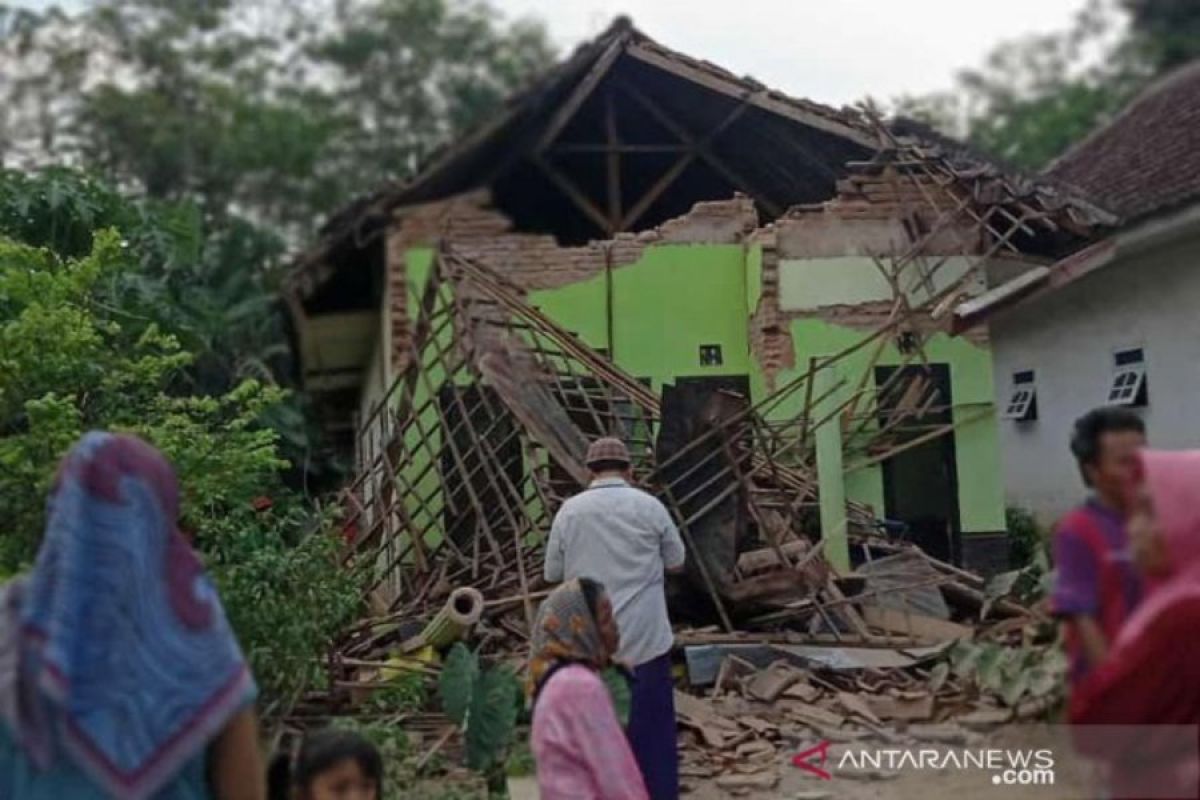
column 625, row 539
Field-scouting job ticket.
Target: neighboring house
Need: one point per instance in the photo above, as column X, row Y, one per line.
column 1119, row 323
column 702, row 231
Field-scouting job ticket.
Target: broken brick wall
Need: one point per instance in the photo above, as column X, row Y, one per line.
column 535, row 262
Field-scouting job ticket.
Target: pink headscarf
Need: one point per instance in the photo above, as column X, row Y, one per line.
column 1173, row 481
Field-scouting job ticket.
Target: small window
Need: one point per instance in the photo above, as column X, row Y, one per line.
column 710, row 355
column 1128, row 387
column 1022, row 401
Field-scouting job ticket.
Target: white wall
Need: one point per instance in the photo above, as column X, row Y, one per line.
column 810, row 284
column 1068, row 338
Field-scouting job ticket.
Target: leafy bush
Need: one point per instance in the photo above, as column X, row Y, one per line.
column 71, row 362
column 1026, row 538
column 483, row 702
column 1015, row 674
column 211, row 287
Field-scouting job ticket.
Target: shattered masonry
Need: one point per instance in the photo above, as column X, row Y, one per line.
column 484, row 429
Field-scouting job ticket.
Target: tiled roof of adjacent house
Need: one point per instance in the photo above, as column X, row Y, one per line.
column 1147, row 159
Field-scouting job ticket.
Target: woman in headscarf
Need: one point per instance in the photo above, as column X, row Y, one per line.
column 119, row 674
column 1152, row 674
column 578, row 744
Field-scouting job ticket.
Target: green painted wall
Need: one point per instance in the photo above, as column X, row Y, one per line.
column 977, row 446
column 674, row 299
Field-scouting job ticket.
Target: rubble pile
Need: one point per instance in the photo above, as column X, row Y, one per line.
column 482, row 436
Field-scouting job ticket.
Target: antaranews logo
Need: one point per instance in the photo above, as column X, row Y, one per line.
column 1007, row 767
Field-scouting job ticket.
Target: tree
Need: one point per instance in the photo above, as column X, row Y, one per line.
column 71, row 361
column 213, row 288
column 412, row 74
column 1166, row 32
column 239, row 124
column 278, row 111
column 1035, row 97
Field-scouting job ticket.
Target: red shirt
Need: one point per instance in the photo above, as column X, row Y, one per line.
column 1095, row 575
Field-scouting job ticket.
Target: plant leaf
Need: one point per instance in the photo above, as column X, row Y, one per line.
column 998, row 587
column 621, row 693
column 458, row 682
column 491, row 718
column 1015, row 687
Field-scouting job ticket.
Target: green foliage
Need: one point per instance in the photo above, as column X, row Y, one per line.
column 520, row 760
column 280, row 109
column 619, row 689
column 483, row 702
column 1013, row 673
column 210, row 288
column 456, row 684
column 70, row 362
column 400, row 755
column 1026, row 537
column 413, row 73
column 405, row 692
column 1165, row 32
column 492, row 717
column 285, row 594
column 1033, row 98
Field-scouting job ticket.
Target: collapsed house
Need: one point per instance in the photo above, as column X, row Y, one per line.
column 754, row 291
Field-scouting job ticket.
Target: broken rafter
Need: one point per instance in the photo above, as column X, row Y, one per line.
column 699, row 147
column 574, row 194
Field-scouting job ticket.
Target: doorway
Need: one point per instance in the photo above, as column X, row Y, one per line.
column 920, row 484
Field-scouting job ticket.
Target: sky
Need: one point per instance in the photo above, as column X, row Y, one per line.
column 832, row 51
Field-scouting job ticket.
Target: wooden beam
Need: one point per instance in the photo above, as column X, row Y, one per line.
column 614, row 161
column 700, row 145
column 735, row 88
column 572, row 191
column 940, row 431
column 584, row 90
column 565, row 148
column 654, row 192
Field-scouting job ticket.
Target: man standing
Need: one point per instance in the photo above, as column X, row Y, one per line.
column 1097, row 586
column 625, row 539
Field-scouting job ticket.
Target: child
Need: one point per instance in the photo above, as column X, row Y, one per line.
column 331, row 765
column 580, row 749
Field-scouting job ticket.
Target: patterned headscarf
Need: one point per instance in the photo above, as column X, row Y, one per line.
column 125, row 654
column 565, row 632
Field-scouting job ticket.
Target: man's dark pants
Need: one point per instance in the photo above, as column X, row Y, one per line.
column 652, row 727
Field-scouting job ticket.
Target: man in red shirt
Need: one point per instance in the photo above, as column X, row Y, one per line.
column 1096, row 585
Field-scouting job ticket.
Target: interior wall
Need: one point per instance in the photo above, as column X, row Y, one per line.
column 980, row 492
column 665, row 306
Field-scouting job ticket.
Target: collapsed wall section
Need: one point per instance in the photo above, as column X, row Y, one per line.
column 536, row 262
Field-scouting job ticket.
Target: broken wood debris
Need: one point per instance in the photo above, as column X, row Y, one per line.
column 481, row 437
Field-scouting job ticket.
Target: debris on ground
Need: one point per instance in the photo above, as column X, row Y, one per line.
column 482, row 436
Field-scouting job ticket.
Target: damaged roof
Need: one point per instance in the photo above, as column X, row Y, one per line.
column 626, row 134
column 688, row 131
column 1147, row 159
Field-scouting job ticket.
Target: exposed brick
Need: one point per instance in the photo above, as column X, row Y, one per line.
column 770, row 336
column 532, row 262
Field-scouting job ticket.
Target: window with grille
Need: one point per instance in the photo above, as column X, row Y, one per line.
column 1128, row 386
column 1022, row 399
